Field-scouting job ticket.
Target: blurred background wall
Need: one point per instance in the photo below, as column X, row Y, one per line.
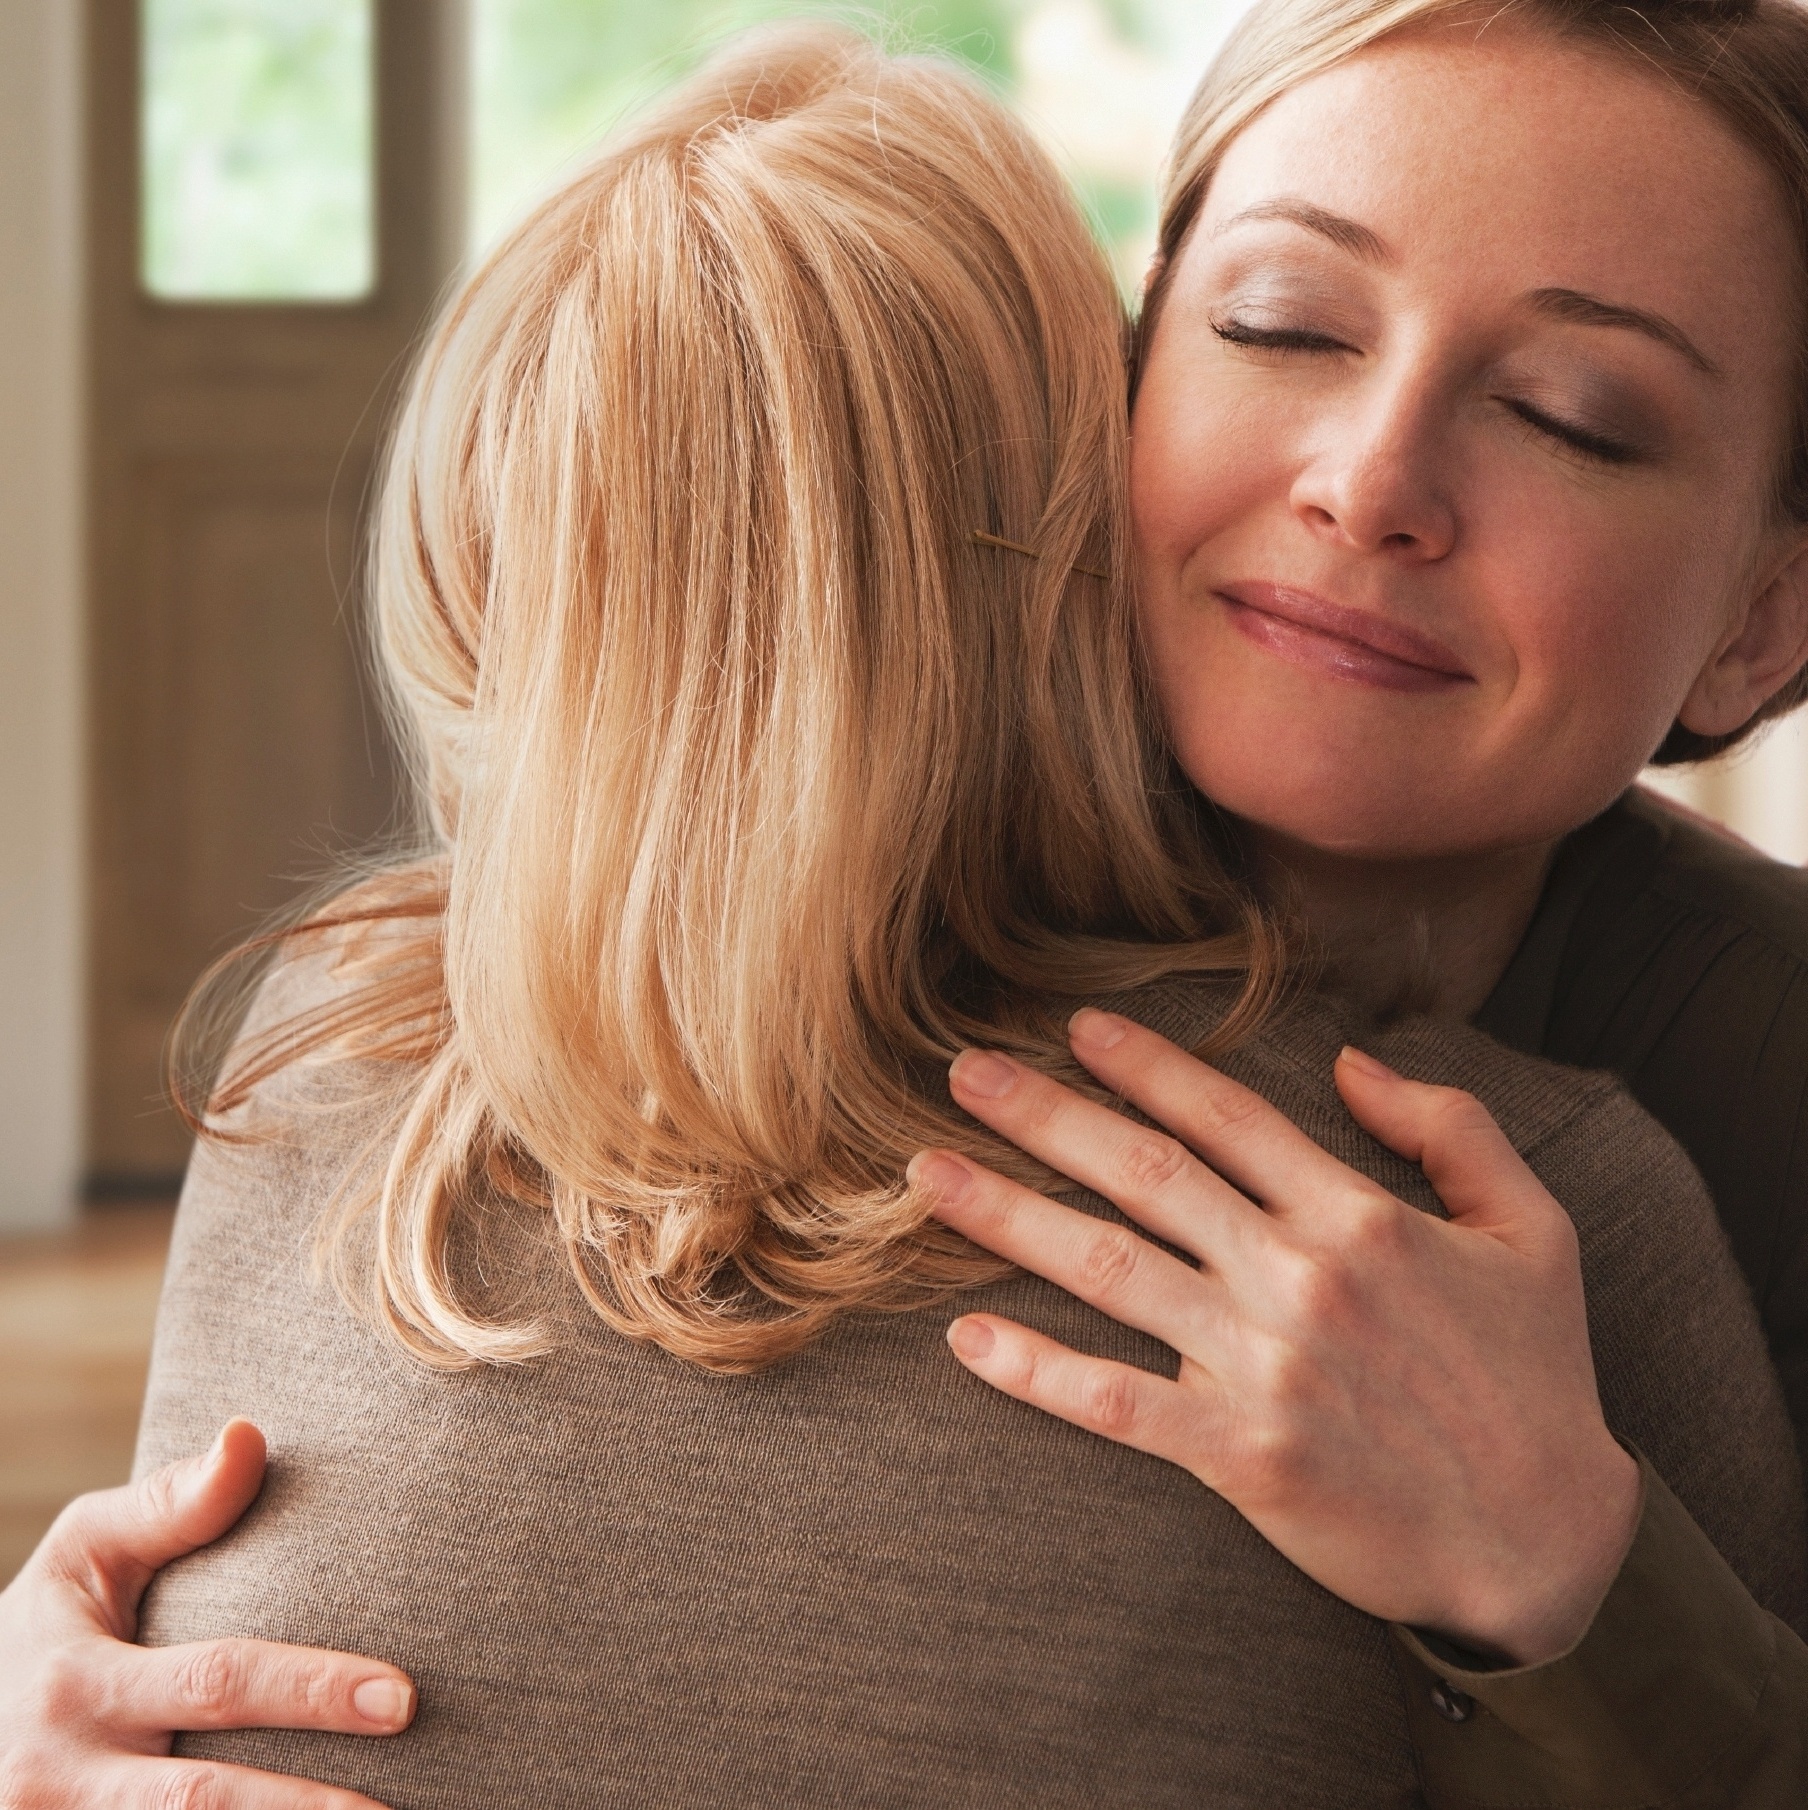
column 223, row 223
column 40, row 612
column 271, row 194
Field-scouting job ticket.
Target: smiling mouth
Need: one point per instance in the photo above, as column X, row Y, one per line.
column 1309, row 630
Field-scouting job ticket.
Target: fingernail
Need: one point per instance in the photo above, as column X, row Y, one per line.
column 1365, row 1064
column 937, row 1173
column 971, row 1339
column 384, row 1701
column 1097, row 1030
column 985, row 1076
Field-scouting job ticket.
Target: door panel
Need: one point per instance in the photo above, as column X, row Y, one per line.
column 234, row 743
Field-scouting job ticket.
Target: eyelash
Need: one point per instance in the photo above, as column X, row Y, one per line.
column 1597, row 447
column 1577, row 440
column 1275, row 339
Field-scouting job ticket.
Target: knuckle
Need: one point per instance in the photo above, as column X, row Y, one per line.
column 1108, row 1401
column 316, row 1690
column 1284, row 1383
column 156, row 1493
column 1038, row 1103
column 1022, row 1369
column 1565, row 1237
column 211, row 1679
column 1230, row 1109
column 1274, row 1455
column 188, row 1787
column 1109, row 1261
column 27, row 1780
column 1460, row 1111
column 1313, row 1287
column 64, row 1693
column 1150, row 1162
column 1560, row 1246
column 64, row 1553
column 1372, row 1225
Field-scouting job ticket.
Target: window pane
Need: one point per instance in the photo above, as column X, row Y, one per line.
column 1103, row 82
column 257, row 150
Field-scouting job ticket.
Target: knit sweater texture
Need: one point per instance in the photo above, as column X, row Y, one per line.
column 863, row 1577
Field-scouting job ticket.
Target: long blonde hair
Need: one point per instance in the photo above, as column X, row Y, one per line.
column 757, row 785
column 1745, row 60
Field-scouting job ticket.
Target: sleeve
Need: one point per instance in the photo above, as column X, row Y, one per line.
column 1683, row 1692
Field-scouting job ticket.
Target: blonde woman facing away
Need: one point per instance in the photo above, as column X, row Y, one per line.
column 750, row 581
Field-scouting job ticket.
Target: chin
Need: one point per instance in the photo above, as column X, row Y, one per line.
column 1389, row 823
column 1329, row 796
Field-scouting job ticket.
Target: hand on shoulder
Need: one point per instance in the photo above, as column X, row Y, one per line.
column 87, row 1719
column 1404, row 1406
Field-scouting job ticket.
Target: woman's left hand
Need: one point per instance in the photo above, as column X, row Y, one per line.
column 1404, row 1406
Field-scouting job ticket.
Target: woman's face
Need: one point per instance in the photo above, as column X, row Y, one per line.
column 1452, row 454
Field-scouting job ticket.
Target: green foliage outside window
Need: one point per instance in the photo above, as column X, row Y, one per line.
column 549, row 76
column 258, row 114
column 256, row 149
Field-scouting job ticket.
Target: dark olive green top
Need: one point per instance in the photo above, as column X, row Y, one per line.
column 1677, row 958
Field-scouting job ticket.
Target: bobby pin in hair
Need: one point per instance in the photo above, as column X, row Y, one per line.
column 983, row 539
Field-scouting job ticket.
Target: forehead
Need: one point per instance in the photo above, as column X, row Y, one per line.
column 1512, row 159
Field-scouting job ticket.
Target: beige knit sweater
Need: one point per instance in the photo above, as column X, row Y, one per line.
column 864, row 1578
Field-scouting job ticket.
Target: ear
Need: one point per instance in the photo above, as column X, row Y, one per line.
column 1758, row 655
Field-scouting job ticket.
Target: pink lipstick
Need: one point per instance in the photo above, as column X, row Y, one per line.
column 1351, row 644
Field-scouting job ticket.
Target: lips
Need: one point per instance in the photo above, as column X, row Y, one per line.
column 1310, row 630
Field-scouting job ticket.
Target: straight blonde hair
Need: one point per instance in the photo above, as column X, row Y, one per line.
column 749, row 579
column 1746, row 61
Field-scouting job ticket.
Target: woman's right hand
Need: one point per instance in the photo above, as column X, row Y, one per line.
column 87, row 1719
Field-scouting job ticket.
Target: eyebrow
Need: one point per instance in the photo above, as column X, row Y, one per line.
column 1570, row 305
column 1591, row 311
column 1349, row 235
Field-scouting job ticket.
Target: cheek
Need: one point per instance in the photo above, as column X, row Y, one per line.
column 1197, row 468
column 1188, row 498
column 1203, row 477
column 1608, row 620
column 1590, row 618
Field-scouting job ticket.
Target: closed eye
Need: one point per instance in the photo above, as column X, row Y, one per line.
column 1583, row 440
column 1276, row 339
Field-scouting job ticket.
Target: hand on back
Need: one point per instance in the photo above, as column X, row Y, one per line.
column 1405, row 1407
column 88, row 1720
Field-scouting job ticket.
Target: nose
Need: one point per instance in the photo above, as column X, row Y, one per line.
column 1378, row 478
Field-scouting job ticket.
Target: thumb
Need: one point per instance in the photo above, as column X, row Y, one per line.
column 112, row 1542
column 1481, row 1179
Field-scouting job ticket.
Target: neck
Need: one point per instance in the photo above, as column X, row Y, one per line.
column 1428, row 934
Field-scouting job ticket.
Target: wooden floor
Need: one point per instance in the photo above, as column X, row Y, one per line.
column 76, row 1311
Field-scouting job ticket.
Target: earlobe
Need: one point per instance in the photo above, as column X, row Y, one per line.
column 1757, row 657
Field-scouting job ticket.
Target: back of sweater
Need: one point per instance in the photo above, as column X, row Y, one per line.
column 863, row 1578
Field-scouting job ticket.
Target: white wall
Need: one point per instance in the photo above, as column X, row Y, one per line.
column 1760, row 790
column 40, row 613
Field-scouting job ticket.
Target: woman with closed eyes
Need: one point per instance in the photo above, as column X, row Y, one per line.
column 1468, row 474
column 1465, row 474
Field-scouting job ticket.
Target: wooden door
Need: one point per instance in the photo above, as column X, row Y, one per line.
column 234, row 744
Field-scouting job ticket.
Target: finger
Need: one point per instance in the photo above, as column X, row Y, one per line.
column 1104, row 1264
column 110, row 1543
column 1116, row 1401
column 157, row 1784
column 1481, row 1179
column 254, row 1684
column 1245, row 1138
column 1154, row 1178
